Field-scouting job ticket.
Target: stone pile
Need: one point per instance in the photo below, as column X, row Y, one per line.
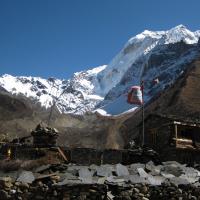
column 162, row 192
column 170, row 180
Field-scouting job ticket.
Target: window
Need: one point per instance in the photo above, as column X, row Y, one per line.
column 153, row 135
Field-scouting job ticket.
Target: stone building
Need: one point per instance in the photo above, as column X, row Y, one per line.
column 174, row 138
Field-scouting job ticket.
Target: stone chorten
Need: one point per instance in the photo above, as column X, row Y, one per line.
column 44, row 136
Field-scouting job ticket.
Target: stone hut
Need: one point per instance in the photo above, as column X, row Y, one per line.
column 174, row 138
column 44, row 136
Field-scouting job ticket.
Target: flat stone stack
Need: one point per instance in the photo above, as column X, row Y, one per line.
column 44, row 136
column 138, row 181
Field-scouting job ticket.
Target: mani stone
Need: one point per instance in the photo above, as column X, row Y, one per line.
column 85, row 175
column 122, row 170
column 172, row 168
column 142, row 173
column 156, row 180
column 137, row 179
column 104, row 170
column 133, row 167
column 26, row 177
column 179, row 181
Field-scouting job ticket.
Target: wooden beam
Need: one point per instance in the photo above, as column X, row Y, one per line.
column 62, row 154
column 176, row 132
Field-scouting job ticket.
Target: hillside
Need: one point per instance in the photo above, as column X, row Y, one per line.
column 181, row 100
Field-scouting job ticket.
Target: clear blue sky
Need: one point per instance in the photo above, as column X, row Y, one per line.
column 59, row 37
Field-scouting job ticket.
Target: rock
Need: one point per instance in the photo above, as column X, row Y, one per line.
column 144, row 189
column 164, row 174
column 179, row 181
column 55, row 193
column 104, row 170
column 4, row 195
column 141, row 195
column 93, row 167
column 101, row 180
column 73, row 169
column 68, row 182
column 67, row 175
column 153, row 170
column 136, row 190
column 172, row 168
column 5, row 182
column 24, row 185
column 156, row 180
column 19, row 191
column 110, row 196
column 42, row 168
column 133, row 168
column 13, row 191
column 40, row 184
column 113, row 179
column 189, row 179
column 142, row 173
column 85, row 175
column 39, row 197
column 26, row 177
column 150, row 166
column 55, row 178
column 137, row 179
column 122, row 170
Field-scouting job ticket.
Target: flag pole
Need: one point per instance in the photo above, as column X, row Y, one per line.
column 142, row 88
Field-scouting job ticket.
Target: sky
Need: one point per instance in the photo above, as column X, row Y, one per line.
column 55, row 38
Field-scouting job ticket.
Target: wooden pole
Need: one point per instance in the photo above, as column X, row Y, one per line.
column 176, row 134
column 142, row 124
column 142, row 88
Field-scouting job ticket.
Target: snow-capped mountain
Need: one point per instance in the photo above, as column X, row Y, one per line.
column 70, row 96
column 148, row 55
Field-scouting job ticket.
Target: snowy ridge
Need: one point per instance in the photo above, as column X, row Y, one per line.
column 36, row 87
column 148, row 55
column 141, row 45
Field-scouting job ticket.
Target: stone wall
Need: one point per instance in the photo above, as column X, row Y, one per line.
column 87, row 156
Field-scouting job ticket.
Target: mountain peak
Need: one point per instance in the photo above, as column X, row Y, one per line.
column 180, row 27
column 144, row 57
column 179, row 33
column 176, row 34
